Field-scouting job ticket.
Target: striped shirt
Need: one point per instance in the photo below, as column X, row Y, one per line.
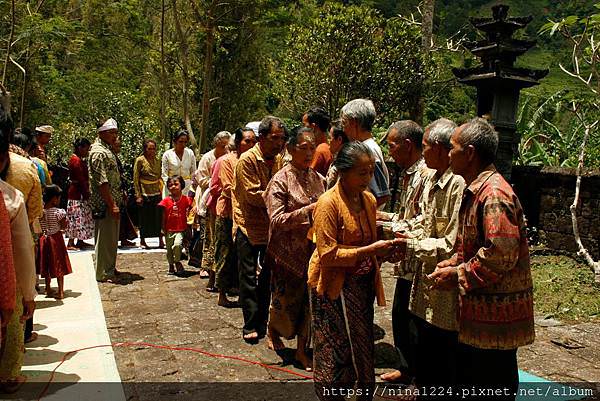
column 50, row 222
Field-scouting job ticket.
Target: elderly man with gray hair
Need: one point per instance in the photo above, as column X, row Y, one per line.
column 404, row 139
column 432, row 240
column 358, row 117
column 201, row 182
column 490, row 269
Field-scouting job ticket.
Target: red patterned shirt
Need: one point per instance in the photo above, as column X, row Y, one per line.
column 496, row 302
column 176, row 213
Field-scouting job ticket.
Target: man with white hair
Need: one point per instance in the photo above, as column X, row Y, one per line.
column 490, row 268
column 202, row 177
column 358, row 117
column 404, row 139
column 105, row 197
column 200, row 183
column 433, row 238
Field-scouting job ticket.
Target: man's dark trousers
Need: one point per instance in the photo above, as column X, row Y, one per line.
column 255, row 293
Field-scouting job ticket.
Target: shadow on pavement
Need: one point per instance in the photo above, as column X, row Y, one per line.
column 42, row 341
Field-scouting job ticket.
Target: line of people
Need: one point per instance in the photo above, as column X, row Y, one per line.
column 309, row 249
column 294, row 223
column 31, row 241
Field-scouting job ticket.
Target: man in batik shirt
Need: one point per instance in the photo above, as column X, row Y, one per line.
column 404, row 139
column 490, row 267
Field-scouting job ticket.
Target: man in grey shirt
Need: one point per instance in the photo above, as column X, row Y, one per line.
column 358, row 117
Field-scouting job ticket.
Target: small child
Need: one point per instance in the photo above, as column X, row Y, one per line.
column 53, row 260
column 176, row 207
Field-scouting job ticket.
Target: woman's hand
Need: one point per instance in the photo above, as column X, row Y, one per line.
column 383, row 248
column 139, row 200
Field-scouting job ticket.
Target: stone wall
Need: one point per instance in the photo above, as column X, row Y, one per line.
column 546, row 194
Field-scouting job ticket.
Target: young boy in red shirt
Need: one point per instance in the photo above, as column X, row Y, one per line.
column 176, row 207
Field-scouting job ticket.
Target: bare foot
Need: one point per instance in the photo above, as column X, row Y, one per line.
column 274, row 341
column 179, row 267
column 304, row 360
column 395, row 377
column 72, row 248
column 59, row 295
column 226, row 303
column 50, row 293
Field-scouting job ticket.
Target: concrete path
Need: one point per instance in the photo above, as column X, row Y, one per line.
column 66, row 325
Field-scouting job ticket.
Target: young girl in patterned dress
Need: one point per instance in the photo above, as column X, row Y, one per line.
column 53, row 260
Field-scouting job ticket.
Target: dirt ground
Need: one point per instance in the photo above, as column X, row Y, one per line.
column 152, row 307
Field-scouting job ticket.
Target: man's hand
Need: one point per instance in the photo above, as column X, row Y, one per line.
column 5, row 315
column 383, row 216
column 446, row 263
column 139, row 200
column 444, row 278
column 28, row 308
column 115, row 212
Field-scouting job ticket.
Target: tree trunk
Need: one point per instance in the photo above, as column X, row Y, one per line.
column 426, row 36
column 163, row 77
column 208, row 65
column 10, row 39
column 185, row 71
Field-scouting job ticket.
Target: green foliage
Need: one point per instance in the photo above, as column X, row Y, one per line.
column 564, row 289
column 341, row 53
column 553, row 134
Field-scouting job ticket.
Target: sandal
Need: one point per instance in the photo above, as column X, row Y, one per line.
column 32, row 338
column 11, row 386
column 251, row 338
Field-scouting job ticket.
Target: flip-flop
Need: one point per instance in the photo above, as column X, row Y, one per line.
column 251, row 340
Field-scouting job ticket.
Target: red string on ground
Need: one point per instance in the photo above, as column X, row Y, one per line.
column 171, row 348
column 174, row 348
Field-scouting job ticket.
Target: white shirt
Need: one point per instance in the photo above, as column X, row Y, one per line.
column 371, row 144
column 185, row 167
column 204, row 172
column 23, row 250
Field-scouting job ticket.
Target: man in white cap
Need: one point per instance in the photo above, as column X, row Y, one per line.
column 43, row 134
column 105, row 191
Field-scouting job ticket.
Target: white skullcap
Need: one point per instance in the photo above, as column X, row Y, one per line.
column 108, row 125
column 254, row 125
column 46, row 129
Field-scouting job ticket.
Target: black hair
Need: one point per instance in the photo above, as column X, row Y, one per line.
column 320, row 117
column 266, row 126
column 22, row 140
column 51, row 191
column 239, row 135
column 176, row 178
column 349, row 154
column 179, row 134
column 338, row 131
column 80, row 142
column 296, row 133
column 146, row 142
column 6, row 123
